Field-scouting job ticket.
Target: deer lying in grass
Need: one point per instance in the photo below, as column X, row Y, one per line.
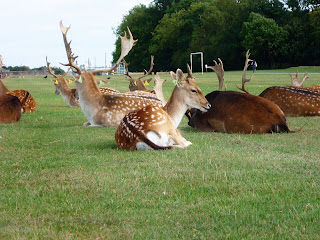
column 10, row 108
column 28, row 104
column 100, row 109
column 237, row 112
column 60, row 82
column 295, row 100
column 154, row 127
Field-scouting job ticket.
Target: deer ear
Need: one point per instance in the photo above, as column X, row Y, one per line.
column 173, row 75
column 180, row 77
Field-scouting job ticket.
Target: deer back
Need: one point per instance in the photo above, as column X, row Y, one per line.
column 10, row 108
column 27, row 101
column 236, row 112
column 294, row 101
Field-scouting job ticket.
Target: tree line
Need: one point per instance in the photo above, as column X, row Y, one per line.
column 279, row 34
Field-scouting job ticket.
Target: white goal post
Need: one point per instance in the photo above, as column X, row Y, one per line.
column 201, row 55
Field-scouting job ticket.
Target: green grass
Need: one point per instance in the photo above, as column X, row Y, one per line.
column 60, row 180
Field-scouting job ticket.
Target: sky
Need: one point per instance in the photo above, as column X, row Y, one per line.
column 30, row 30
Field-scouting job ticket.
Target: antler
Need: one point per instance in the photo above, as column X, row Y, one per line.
column 295, row 82
column 218, row 68
column 127, row 70
column 70, row 55
column 126, row 46
column 63, row 75
column 246, row 65
column 49, row 69
column 189, row 71
column 150, row 70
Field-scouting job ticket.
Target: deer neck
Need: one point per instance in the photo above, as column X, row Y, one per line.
column 88, row 90
column 3, row 88
column 176, row 106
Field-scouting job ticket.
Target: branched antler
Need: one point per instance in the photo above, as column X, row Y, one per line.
column 49, row 69
column 295, row 82
column 218, row 69
column 70, row 54
column 126, row 46
column 150, row 70
column 244, row 79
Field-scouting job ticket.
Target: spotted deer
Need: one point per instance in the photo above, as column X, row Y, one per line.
column 238, row 112
column 61, row 83
column 295, row 82
column 153, row 127
column 100, row 109
column 28, row 104
column 294, row 101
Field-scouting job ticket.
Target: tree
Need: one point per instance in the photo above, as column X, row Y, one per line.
column 265, row 39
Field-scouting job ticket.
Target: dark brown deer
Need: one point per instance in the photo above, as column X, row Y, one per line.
column 237, row 112
column 28, row 104
column 153, row 127
column 10, row 108
column 100, row 109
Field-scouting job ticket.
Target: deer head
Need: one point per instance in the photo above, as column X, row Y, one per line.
column 185, row 94
column 139, row 84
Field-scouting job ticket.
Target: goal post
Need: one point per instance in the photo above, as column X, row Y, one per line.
column 201, row 55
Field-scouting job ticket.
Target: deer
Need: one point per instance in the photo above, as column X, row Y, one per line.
column 104, row 110
column 295, row 82
column 238, row 112
column 138, row 84
column 10, row 108
column 154, row 127
column 294, row 101
column 28, row 104
column 60, row 82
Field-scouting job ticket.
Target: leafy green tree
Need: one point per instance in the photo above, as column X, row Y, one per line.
column 265, row 39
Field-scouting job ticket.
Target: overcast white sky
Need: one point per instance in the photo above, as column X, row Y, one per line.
column 30, row 30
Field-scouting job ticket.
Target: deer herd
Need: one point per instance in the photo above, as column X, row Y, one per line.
column 145, row 120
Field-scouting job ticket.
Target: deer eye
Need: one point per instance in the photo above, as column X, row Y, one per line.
column 193, row 90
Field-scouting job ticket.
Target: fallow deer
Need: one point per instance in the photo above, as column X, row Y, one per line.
column 153, row 127
column 60, row 82
column 294, row 102
column 104, row 110
column 28, row 104
column 237, row 112
column 10, row 108
column 138, row 84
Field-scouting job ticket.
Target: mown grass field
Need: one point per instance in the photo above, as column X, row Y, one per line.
column 60, row 180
